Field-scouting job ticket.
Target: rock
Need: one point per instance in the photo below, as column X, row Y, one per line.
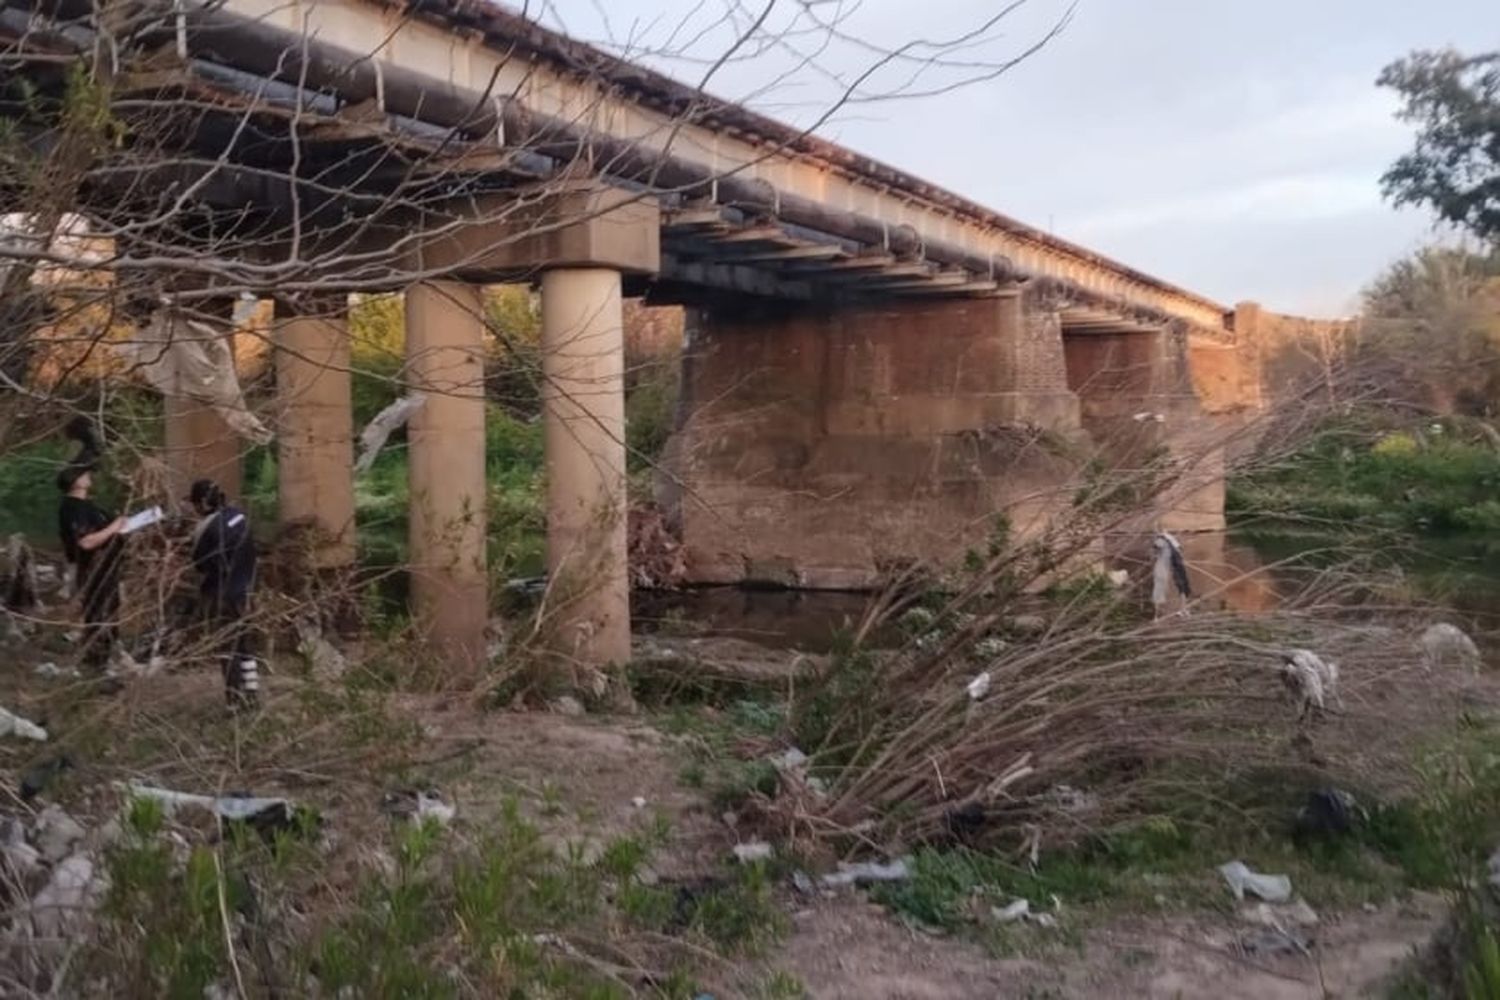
column 36, row 778
column 791, row 760
column 21, row 861
column 990, row 647
column 1445, row 643
column 1294, row 914
column 1273, row 942
column 752, row 851
column 323, row 660
column 1072, row 801
column 67, row 900
column 55, row 833
column 14, row 725
column 569, row 706
column 1029, row 624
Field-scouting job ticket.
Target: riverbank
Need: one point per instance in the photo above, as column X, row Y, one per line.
column 1371, row 473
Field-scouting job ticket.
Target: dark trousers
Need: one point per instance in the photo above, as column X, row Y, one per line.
column 229, row 617
column 101, row 617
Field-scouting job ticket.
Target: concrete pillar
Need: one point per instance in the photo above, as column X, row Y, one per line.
column 445, row 358
column 584, row 413
column 200, row 445
column 315, row 446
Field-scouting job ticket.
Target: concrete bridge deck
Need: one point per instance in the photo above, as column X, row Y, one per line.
column 750, row 204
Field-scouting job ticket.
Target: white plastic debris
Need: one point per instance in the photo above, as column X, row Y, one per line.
column 12, row 724
column 1271, row 888
column 183, row 357
column 373, row 438
column 430, row 805
column 1118, row 577
column 229, row 807
column 1444, row 643
column 864, row 872
column 1311, row 678
column 52, row 672
column 979, row 686
column 1168, row 571
column 639, row 802
column 752, row 851
column 792, row 760
column 1018, row 909
column 1067, row 799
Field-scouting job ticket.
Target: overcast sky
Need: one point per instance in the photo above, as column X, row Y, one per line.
column 1231, row 146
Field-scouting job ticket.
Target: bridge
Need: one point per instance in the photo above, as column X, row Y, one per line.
column 870, row 363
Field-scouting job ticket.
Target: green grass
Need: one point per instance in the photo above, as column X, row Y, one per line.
column 503, row 916
column 1365, row 473
column 712, row 737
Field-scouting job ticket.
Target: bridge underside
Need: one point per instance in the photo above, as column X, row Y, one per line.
column 855, row 396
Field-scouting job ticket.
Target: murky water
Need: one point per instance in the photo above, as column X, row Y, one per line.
column 1238, row 572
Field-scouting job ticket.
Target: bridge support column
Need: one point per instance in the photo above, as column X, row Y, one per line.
column 199, row 443
column 315, row 447
column 581, row 238
column 830, row 448
column 446, row 522
column 584, row 426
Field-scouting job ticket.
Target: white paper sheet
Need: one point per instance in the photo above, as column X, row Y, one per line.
column 141, row 519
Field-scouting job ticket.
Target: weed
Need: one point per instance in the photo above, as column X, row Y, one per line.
column 741, row 914
column 781, row 985
column 1482, row 977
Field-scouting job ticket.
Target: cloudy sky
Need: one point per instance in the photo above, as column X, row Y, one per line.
column 1231, row 146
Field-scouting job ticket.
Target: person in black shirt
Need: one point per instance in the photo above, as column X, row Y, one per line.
column 92, row 543
column 224, row 555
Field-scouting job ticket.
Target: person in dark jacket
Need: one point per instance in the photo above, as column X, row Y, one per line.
column 224, row 556
column 93, row 545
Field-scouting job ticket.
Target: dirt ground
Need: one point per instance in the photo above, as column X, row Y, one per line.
column 580, row 778
column 586, row 779
column 849, row 949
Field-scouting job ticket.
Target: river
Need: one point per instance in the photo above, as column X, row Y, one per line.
column 1248, row 572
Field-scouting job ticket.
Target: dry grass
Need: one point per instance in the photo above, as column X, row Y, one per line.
column 1133, row 712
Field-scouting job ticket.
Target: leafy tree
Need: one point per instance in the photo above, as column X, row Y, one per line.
column 1455, row 167
column 1433, row 319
